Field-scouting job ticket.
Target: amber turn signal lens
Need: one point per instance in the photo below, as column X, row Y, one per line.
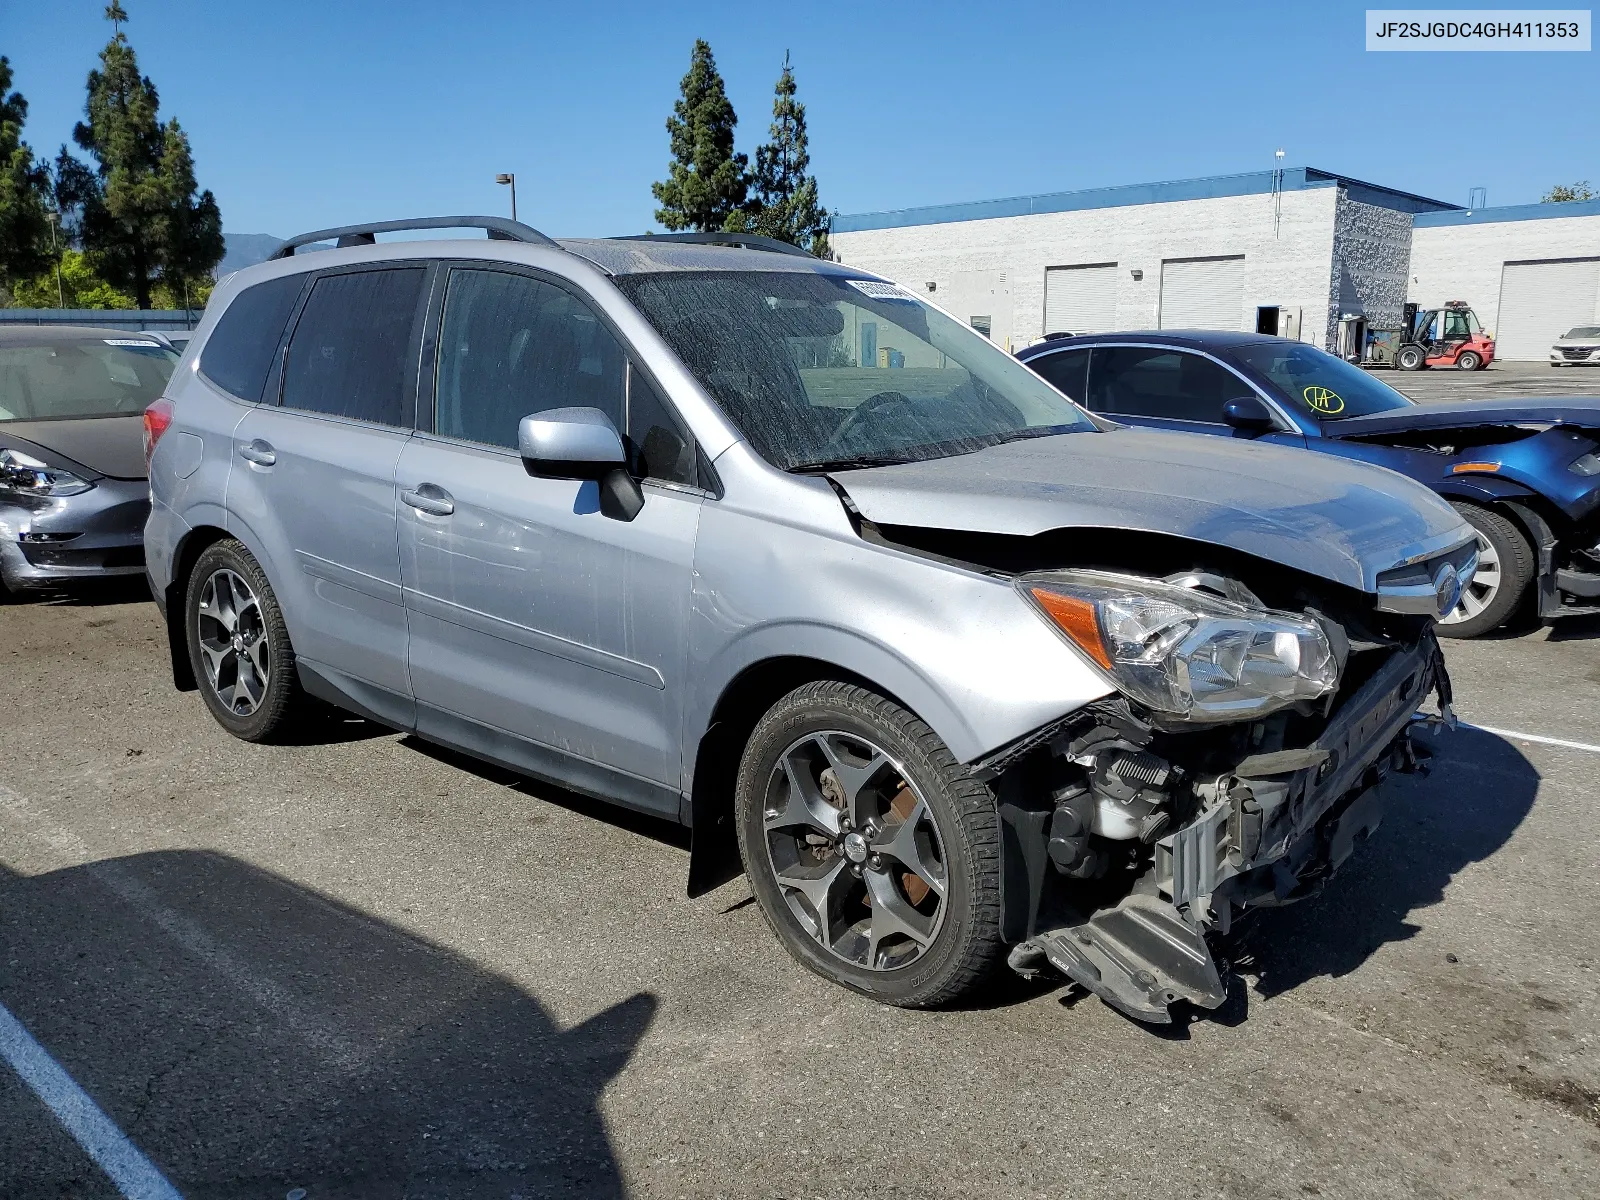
column 1467, row 467
column 1077, row 620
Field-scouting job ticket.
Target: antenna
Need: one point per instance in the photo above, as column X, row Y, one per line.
column 1277, row 191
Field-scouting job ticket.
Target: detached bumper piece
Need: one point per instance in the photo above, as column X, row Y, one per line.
column 1270, row 832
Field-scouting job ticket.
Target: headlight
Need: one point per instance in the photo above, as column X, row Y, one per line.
column 1183, row 652
column 23, row 475
column 1589, row 464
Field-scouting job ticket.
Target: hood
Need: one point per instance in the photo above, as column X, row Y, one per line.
column 1339, row 520
column 111, row 446
column 1583, row 411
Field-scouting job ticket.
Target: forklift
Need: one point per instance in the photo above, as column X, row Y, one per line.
column 1450, row 336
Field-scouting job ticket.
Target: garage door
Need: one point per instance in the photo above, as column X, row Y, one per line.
column 1202, row 293
column 1080, row 299
column 1540, row 301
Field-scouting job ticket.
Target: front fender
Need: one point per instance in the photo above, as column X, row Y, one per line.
column 1481, row 489
column 878, row 665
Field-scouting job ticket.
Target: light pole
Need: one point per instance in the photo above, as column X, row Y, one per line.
column 503, row 177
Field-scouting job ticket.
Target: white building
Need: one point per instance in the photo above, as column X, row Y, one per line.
column 1285, row 252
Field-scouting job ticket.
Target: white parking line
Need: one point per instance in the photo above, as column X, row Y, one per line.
column 1534, row 737
column 135, row 1175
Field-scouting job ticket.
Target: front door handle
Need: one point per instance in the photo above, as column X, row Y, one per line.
column 430, row 498
column 258, row 452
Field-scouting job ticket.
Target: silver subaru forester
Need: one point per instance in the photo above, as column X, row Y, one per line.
column 707, row 527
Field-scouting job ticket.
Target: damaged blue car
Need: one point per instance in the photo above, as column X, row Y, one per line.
column 1524, row 473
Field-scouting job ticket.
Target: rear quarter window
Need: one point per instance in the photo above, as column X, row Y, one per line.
column 237, row 357
column 348, row 356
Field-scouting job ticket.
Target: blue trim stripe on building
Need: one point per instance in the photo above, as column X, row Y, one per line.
column 1511, row 212
column 1250, row 183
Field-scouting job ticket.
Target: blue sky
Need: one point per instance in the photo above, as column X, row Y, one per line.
column 308, row 115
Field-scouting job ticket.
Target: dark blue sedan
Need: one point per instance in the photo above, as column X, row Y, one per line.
column 1525, row 473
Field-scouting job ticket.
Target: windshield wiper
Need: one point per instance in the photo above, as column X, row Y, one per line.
column 825, row 465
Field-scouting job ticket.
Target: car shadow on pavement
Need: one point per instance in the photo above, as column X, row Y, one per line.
column 253, row 1037
column 1480, row 790
column 1575, row 629
column 660, row 829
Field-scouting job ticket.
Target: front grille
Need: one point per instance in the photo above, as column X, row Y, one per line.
column 1577, row 353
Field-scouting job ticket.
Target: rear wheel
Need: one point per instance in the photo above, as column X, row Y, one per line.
column 1470, row 360
column 873, row 853
column 238, row 644
column 1410, row 358
column 1505, row 568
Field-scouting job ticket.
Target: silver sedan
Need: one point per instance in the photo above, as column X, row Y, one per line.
column 73, row 493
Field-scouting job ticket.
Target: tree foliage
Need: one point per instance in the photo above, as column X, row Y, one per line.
column 1563, row 192
column 139, row 216
column 784, row 203
column 24, row 186
column 77, row 286
column 706, row 182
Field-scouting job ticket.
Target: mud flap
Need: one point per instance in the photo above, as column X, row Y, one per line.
column 1138, row 957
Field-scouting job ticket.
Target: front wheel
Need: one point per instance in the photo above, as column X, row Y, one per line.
column 873, row 853
column 1505, row 568
column 1470, row 360
column 1410, row 358
column 238, row 644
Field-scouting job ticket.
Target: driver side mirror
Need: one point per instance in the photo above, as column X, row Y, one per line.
column 1248, row 414
column 581, row 443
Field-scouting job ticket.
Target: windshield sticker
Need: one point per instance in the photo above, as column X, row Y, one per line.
column 882, row 291
column 130, row 342
column 1324, row 400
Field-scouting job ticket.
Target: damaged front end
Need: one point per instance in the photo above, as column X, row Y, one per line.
column 1236, row 770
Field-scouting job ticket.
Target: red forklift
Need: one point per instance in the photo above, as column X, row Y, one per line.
column 1451, row 336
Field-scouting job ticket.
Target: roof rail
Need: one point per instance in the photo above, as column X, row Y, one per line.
column 500, row 230
column 744, row 241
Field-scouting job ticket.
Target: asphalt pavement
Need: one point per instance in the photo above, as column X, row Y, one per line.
column 1497, row 381
column 363, row 967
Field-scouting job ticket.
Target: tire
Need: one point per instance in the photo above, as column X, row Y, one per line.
column 1411, row 358
column 921, row 821
column 256, row 713
column 1506, row 565
column 1470, row 360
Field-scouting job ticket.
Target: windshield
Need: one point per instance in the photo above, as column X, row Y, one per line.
column 1585, row 331
column 82, row 377
column 819, row 370
column 1323, row 386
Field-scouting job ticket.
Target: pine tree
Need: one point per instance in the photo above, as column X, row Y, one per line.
column 785, row 204
column 707, row 182
column 141, row 219
column 24, row 181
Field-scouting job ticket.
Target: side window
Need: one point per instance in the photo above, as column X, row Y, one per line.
column 348, row 357
column 1068, row 370
column 237, row 357
column 511, row 345
column 659, row 447
column 1171, row 384
column 1455, row 324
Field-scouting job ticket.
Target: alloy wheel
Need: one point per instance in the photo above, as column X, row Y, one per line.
column 1485, row 585
column 855, row 850
column 233, row 642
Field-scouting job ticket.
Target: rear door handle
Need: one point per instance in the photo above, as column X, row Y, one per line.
column 430, row 498
column 259, row 452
